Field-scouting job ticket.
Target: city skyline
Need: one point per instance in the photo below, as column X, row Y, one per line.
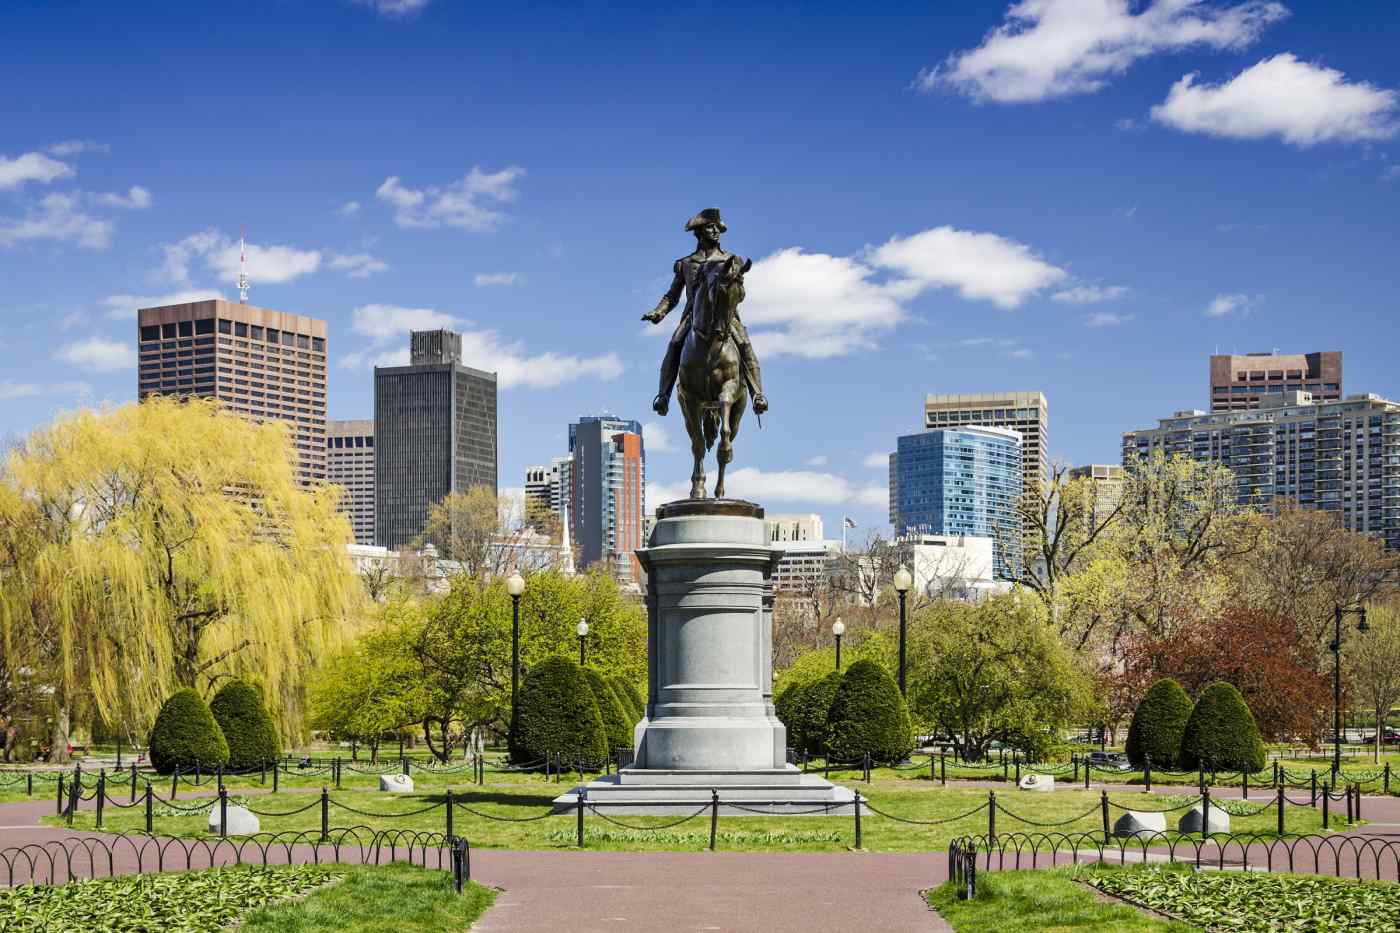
column 1093, row 233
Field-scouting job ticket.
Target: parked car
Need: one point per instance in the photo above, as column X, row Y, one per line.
column 1388, row 735
column 1109, row 761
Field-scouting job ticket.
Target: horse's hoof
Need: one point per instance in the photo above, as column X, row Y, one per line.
column 719, row 492
column 697, row 492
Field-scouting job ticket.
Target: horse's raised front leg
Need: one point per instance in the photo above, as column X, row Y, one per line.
column 725, row 453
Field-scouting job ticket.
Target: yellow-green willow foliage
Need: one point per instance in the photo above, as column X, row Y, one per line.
column 167, row 544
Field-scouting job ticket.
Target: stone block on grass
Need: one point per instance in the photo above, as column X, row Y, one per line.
column 1190, row 821
column 1135, row 823
column 1037, row 782
column 241, row 821
column 396, row 783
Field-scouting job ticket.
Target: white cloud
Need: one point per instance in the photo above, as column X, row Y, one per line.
column 877, row 461
column 99, row 354
column 1057, row 48
column 661, row 493
column 348, row 209
column 797, row 486
column 31, row 166
column 1021, row 353
column 818, row 460
column 484, row 279
column 981, row 266
column 1107, row 319
column 459, row 204
column 657, row 438
column 136, row 199
column 816, row 305
column 266, row 264
column 72, row 147
column 395, row 9
column 1234, row 303
column 357, row 265
column 1302, row 104
column 481, row 349
column 9, row 389
column 57, row 217
column 1089, row 294
column 124, row 307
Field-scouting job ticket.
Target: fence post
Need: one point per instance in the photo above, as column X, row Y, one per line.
column 1086, row 774
column 1205, row 813
column 1147, row 773
column 992, row 816
column 29, row 783
column 714, row 816
column 449, row 814
column 1358, row 801
column 866, row 762
column 1349, row 795
column 1074, row 760
column 325, row 814
column 1280, row 810
column 1018, row 773
column 149, row 814
column 858, row 836
column 337, row 775
column 101, row 793
column 133, row 782
column 276, row 769
column 262, row 776
column 943, row 767
column 1201, row 777
column 174, row 781
column 1387, row 777
column 221, row 777
column 1005, row 769
column 58, row 801
column 1312, row 797
column 1276, row 774
column 1245, row 778
column 1325, row 804
column 407, row 766
column 1103, row 806
column 223, row 811
column 197, row 774
column 582, row 793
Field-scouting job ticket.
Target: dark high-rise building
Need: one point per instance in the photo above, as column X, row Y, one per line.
column 1238, row 383
column 608, row 494
column 434, row 434
column 267, row 365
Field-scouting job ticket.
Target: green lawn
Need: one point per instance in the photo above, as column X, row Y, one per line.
column 1038, row 902
column 517, row 800
column 385, row 899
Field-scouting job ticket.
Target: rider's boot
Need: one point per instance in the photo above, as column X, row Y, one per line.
column 670, row 367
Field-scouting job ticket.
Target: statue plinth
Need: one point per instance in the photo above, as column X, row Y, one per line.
column 709, row 720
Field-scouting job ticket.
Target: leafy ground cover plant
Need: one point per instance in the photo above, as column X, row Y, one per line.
column 1255, row 902
column 196, row 901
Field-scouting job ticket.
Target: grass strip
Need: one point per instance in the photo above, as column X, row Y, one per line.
column 1039, row 901
column 384, row 899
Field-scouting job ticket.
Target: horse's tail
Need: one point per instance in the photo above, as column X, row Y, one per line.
column 711, row 427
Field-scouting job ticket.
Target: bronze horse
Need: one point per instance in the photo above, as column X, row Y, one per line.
column 711, row 389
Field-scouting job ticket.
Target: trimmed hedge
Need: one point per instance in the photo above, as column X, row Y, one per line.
column 810, row 708
column 617, row 724
column 186, row 735
column 631, row 699
column 868, row 716
column 785, row 708
column 1158, row 724
column 557, row 714
column 1221, row 733
column 247, row 727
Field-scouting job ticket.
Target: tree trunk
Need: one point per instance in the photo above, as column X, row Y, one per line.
column 58, row 738
column 1380, row 721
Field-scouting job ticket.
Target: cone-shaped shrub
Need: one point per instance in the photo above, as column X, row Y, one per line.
column 1158, row 724
column 1221, row 734
column 616, row 724
column 186, row 735
column 868, row 716
column 785, row 707
column 558, row 715
column 810, row 709
column 631, row 699
column 247, row 727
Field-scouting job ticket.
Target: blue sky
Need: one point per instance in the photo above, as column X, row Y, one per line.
column 1084, row 197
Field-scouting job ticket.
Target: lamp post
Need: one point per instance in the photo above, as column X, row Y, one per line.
column 838, row 628
column 515, row 586
column 582, row 630
column 1336, row 647
column 902, row 582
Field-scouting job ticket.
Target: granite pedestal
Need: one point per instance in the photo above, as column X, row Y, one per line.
column 710, row 724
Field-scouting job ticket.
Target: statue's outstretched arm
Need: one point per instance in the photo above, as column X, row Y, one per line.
column 669, row 300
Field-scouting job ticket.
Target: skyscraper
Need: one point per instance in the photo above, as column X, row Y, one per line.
column 962, row 481
column 608, row 497
column 350, row 465
column 1238, row 383
column 265, row 364
column 1027, row 413
column 1341, row 457
column 435, row 434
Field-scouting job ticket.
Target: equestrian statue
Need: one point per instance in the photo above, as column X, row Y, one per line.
column 710, row 361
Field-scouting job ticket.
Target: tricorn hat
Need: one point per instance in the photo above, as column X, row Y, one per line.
column 709, row 215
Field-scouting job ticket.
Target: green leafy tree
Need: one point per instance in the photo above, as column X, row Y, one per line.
column 1221, row 733
column 374, row 685
column 558, row 715
column 615, row 718
column 1373, row 666
column 868, row 716
column 1158, row 724
column 185, row 735
column 994, row 672
column 249, row 730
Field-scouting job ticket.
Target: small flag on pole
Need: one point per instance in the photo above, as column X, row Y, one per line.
column 850, row 522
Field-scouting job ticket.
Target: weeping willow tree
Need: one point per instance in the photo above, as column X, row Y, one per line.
column 167, row 544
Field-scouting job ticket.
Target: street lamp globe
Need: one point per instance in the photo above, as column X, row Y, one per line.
column 515, row 583
column 582, row 628
column 902, row 579
column 838, row 628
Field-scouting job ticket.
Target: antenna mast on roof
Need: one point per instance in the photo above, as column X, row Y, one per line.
column 242, row 264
